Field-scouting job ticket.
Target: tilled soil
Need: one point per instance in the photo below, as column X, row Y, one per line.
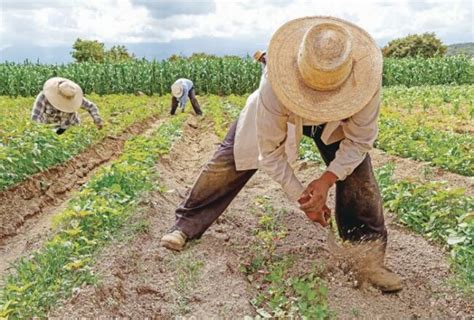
column 139, row 279
column 26, row 209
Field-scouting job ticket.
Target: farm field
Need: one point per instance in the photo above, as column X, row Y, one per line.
column 82, row 214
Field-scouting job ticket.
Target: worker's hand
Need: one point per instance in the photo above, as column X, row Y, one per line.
column 321, row 217
column 99, row 125
column 315, row 195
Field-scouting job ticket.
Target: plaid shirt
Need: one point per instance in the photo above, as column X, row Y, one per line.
column 44, row 112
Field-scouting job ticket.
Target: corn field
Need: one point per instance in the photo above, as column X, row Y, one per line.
column 220, row 76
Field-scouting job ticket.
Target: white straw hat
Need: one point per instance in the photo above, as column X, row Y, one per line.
column 323, row 68
column 177, row 89
column 63, row 94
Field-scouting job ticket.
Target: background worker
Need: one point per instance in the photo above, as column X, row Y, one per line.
column 180, row 91
column 59, row 102
column 260, row 56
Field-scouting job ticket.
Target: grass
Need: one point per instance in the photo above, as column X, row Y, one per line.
column 90, row 220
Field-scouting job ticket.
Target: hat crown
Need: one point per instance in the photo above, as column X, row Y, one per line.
column 67, row 89
column 325, row 56
column 177, row 90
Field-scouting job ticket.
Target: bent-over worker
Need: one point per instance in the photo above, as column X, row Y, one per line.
column 180, row 91
column 59, row 102
column 323, row 80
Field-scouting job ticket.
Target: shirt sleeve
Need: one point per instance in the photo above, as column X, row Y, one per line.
column 272, row 119
column 360, row 132
column 38, row 107
column 92, row 109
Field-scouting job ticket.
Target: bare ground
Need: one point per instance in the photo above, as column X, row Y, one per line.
column 139, row 279
column 27, row 209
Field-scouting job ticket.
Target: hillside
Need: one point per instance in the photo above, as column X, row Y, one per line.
column 461, row 48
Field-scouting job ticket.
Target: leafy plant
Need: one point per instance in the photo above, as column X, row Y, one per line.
column 90, row 220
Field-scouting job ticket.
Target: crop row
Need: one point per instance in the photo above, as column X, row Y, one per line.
column 408, row 138
column 27, row 148
column 439, row 213
column 91, row 219
column 221, row 76
column 418, row 137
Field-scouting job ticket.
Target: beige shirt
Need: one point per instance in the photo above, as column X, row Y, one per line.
column 268, row 136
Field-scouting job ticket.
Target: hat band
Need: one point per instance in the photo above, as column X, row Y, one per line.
column 324, row 80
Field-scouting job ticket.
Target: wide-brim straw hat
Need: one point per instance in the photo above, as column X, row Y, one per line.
column 324, row 68
column 63, row 94
column 257, row 55
column 177, row 89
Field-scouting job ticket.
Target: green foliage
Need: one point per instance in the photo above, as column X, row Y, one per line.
column 409, row 139
column 88, row 51
column 27, row 148
column 434, row 71
column 425, row 45
column 118, row 53
column 281, row 294
column 436, row 212
column 90, row 220
column 211, row 75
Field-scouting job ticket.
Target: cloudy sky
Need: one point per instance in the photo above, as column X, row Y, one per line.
column 46, row 29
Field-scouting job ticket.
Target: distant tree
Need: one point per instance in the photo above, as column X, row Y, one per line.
column 175, row 57
column 424, row 45
column 118, row 54
column 201, row 55
column 88, row 51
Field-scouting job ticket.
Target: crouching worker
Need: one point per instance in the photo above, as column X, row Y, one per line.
column 323, row 80
column 181, row 90
column 59, row 102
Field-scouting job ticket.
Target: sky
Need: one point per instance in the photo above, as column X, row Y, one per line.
column 46, row 29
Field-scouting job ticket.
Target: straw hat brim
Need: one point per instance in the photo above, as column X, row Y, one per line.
column 177, row 90
column 323, row 106
column 60, row 102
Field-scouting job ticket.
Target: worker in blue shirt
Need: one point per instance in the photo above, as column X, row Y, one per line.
column 180, row 91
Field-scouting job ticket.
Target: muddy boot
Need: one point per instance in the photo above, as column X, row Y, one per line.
column 174, row 240
column 385, row 280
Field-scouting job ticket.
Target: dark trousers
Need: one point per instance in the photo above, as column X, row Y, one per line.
column 359, row 211
column 194, row 103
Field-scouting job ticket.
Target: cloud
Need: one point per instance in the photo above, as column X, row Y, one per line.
column 50, row 23
column 167, row 8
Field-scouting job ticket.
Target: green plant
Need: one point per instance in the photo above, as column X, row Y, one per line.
column 425, row 45
column 211, row 75
column 91, row 219
column 27, row 148
column 438, row 213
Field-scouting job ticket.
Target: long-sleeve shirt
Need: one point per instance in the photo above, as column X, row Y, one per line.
column 44, row 112
column 187, row 86
column 268, row 136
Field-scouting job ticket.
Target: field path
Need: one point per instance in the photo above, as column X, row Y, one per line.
column 27, row 210
column 139, row 279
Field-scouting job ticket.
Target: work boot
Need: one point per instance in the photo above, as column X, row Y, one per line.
column 174, row 240
column 385, row 280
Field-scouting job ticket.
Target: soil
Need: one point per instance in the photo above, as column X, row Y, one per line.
column 139, row 279
column 27, row 209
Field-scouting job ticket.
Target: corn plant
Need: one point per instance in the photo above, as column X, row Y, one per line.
column 220, row 76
